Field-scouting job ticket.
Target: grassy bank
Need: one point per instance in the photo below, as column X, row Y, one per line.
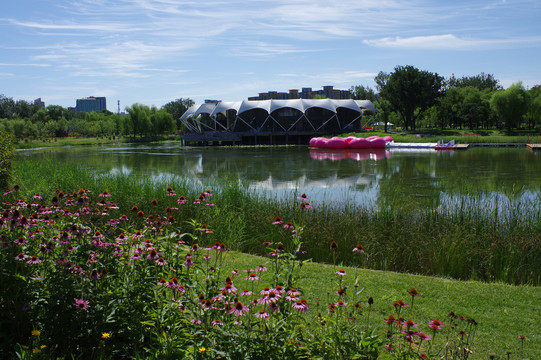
column 502, row 311
column 424, row 136
column 460, row 136
column 463, row 242
column 87, row 141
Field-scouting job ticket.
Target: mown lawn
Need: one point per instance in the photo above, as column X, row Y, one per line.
column 502, row 311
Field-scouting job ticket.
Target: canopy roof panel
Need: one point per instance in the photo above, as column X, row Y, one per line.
column 270, row 106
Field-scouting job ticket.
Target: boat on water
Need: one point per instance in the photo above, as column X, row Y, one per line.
column 445, row 146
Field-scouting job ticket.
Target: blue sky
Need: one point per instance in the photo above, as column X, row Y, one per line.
column 155, row 51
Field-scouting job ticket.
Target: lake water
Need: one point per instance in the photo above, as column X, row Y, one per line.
column 415, row 178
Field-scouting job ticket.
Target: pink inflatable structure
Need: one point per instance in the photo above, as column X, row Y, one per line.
column 351, row 142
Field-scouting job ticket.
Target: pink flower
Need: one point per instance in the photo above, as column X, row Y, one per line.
column 262, row 314
column 161, row 261
column 421, row 335
column 301, row 305
column 34, row 260
column 358, row 248
column 81, row 304
column 252, row 277
column 435, row 324
column 277, row 221
column 341, row 273
column 239, row 309
column 21, row 257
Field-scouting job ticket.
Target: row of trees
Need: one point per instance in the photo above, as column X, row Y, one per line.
column 414, row 98
column 23, row 119
column 409, row 97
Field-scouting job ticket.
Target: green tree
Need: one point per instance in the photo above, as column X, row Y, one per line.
column 162, row 121
column 40, row 116
column 474, row 109
column 139, row 119
column 7, row 107
column 533, row 115
column 481, row 82
column 411, row 91
column 384, row 112
column 177, row 108
column 361, row 92
column 25, row 109
column 510, row 105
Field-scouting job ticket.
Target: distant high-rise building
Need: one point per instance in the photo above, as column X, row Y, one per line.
column 91, row 103
column 305, row 93
column 39, row 103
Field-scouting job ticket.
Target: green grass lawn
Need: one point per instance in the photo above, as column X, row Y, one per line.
column 502, row 311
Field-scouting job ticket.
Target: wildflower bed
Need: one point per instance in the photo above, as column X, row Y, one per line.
column 83, row 278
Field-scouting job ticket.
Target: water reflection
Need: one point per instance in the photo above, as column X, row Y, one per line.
column 357, row 155
column 411, row 178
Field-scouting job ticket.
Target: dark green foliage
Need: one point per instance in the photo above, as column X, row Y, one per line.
column 411, row 91
column 6, row 154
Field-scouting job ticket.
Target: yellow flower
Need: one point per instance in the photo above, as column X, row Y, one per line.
column 202, row 349
column 36, row 333
column 105, row 336
column 43, row 347
column 35, row 351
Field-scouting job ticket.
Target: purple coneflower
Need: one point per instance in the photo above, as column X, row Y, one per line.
column 21, row 257
column 277, row 221
column 94, row 275
column 161, row 261
column 252, row 277
column 304, row 205
column 358, row 248
column 239, row 309
column 409, row 323
column 152, row 255
column 303, row 197
column 104, row 194
column 435, row 324
column 81, row 304
column 261, row 268
column 301, row 305
column 34, row 260
column 421, row 335
column 262, row 314
column 333, row 246
column 341, row 273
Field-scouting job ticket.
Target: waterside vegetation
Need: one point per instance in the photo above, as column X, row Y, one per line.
column 126, row 268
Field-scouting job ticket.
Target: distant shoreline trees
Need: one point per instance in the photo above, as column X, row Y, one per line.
column 408, row 97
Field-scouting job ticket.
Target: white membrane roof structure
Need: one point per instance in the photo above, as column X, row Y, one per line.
column 195, row 122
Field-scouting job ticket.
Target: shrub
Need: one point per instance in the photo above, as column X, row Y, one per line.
column 6, row 153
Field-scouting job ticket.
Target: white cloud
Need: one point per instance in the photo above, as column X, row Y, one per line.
column 448, row 42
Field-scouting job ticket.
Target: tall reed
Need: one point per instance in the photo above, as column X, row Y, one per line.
column 464, row 240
